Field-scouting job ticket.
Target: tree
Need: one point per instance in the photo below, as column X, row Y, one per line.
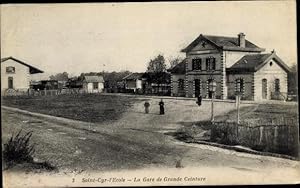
column 60, row 76
column 157, row 64
column 292, row 80
column 173, row 61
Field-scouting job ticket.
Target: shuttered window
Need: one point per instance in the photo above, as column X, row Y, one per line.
column 277, row 85
column 197, row 64
column 210, row 63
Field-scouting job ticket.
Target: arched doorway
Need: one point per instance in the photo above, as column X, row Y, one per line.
column 10, row 83
column 264, row 88
column 197, row 87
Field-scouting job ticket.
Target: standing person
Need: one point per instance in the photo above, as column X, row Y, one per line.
column 147, row 105
column 199, row 100
column 161, row 107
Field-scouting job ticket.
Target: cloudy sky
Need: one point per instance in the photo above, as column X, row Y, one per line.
column 125, row 36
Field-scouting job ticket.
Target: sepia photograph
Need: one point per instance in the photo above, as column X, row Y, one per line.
column 149, row 94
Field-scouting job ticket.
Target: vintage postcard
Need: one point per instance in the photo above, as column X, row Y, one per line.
column 149, row 94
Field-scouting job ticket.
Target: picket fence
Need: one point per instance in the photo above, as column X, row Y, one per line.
column 278, row 136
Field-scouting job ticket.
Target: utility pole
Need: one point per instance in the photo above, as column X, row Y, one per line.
column 212, row 89
column 238, row 108
column 212, row 119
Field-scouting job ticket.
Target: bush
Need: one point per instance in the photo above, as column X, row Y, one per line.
column 184, row 134
column 18, row 149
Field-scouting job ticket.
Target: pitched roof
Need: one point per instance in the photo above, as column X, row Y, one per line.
column 225, row 43
column 133, row 76
column 179, row 68
column 32, row 69
column 157, row 77
column 254, row 62
column 90, row 79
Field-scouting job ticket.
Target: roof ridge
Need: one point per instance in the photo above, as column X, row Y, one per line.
column 23, row 63
column 218, row 36
column 6, row 58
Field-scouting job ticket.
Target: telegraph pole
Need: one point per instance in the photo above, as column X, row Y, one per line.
column 238, row 108
column 212, row 88
column 212, row 119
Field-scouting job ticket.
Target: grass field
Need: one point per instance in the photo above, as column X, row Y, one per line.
column 265, row 114
column 99, row 108
column 86, row 107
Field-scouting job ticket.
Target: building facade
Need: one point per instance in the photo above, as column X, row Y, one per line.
column 15, row 75
column 134, row 82
column 93, row 84
column 149, row 83
column 234, row 64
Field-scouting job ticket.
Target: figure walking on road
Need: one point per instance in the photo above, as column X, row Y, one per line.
column 147, row 105
column 161, row 107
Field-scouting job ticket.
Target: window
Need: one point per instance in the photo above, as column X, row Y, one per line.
column 211, row 87
column 180, row 84
column 271, row 63
column 211, row 63
column 10, row 69
column 10, row 83
column 277, row 85
column 95, row 85
column 196, row 64
column 239, row 85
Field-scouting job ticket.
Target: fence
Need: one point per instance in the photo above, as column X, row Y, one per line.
column 32, row 92
column 275, row 137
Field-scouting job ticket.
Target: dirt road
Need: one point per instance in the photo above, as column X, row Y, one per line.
column 136, row 141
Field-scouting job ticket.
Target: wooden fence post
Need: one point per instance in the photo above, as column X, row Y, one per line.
column 261, row 130
column 275, row 136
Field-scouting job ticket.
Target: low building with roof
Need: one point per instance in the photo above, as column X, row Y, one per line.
column 16, row 75
column 234, row 64
column 148, row 83
column 93, row 84
column 134, row 82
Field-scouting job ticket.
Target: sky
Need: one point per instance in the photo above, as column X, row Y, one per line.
column 99, row 37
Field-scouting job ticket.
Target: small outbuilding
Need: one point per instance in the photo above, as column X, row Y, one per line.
column 93, row 84
column 134, row 82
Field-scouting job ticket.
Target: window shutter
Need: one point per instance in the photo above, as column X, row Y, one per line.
column 207, row 64
column 213, row 62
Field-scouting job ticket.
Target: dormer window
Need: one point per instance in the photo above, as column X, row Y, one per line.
column 10, row 70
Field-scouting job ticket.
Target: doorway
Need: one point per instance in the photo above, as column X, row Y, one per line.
column 264, row 88
column 197, row 87
column 10, row 83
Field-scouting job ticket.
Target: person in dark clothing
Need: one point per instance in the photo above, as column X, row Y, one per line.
column 199, row 100
column 147, row 105
column 161, row 107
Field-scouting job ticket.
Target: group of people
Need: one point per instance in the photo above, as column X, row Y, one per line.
column 161, row 107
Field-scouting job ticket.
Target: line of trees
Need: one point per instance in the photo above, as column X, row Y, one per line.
column 156, row 65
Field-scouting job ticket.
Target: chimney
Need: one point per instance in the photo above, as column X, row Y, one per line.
column 242, row 41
